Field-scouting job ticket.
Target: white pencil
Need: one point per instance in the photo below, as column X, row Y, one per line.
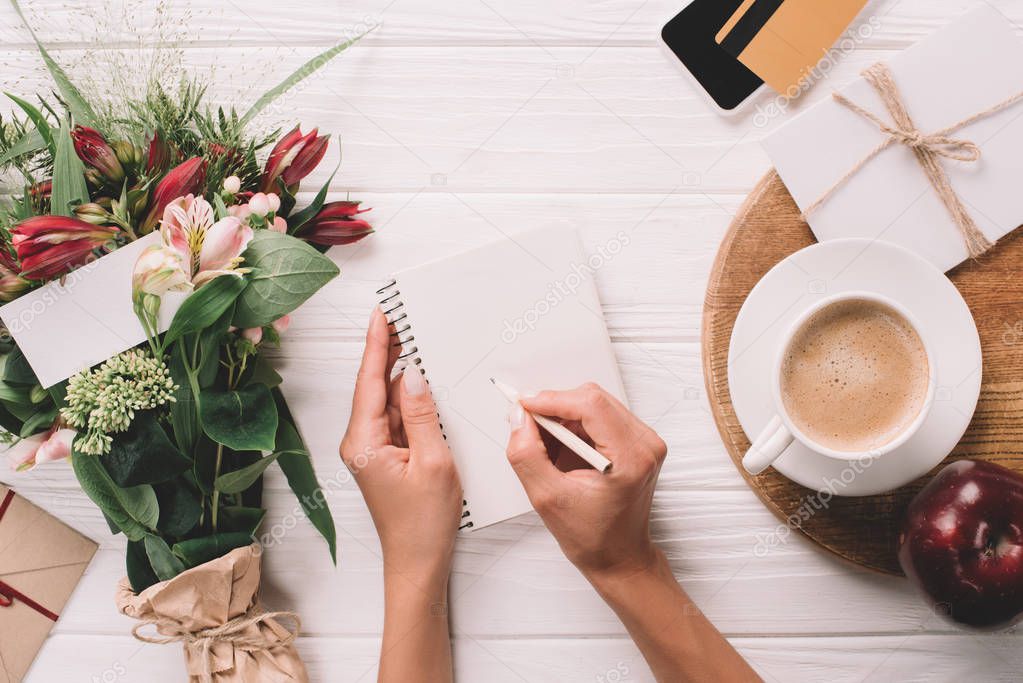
column 560, row 432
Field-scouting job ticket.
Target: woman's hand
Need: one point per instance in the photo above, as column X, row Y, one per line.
column 601, row 521
column 395, row 450
column 402, row 464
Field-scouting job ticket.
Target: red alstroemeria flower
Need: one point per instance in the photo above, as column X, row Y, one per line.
column 50, row 246
column 186, row 178
column 158, row 157
column 93, row 150
column 293, row 158
column 336, row 223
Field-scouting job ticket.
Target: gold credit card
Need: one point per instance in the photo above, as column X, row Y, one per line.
column 782, row 40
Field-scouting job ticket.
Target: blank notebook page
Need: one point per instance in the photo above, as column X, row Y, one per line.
column 523, row 310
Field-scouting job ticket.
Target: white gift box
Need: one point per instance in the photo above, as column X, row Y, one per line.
column 63, row 328
column 968, row 67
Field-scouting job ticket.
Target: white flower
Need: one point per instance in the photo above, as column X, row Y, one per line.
column 232, row 184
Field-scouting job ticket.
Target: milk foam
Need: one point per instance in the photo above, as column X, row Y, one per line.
column 855, row 376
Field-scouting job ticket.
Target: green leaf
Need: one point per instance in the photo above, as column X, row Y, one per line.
column 143, row 454
column 243, row 420
column 220, row 209
column 209, row 349
column 42, row 125
column 8, row 421
column 199, row 551
column 30, row 142
column 308, row 213
column 184, row 414
column 239, row 480
column 263, row 373
column 285, row 272
column 205, row 465
column 164, row 562
column 140, row 571
column 134, row 510
column 241, row 519
column 17, row 370
column 41, row 420
column 69, row 188
column 298, row 468
column 180, row 507
column 298, row 76
column 80, row 108
column 20, row 394
column 203, row 307
column 58, row 392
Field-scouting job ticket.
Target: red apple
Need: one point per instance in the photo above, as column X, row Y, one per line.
column 962, row 544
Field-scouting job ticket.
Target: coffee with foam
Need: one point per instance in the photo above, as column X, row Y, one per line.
column 855, row 376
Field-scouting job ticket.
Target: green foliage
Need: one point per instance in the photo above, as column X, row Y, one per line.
column 165, row 564
column 37, row 117
column 299, row 75
column 242, row 420
column 203, row 307
column 133, row 510
column 180, row 507
column 143, row 454
column 285, row 271
column 69, row 188
column 298, row 468
column 241, row 479
column 140, row 572
column 241, row 519
column 76, row 103
column 297, row 220
column 201, row 550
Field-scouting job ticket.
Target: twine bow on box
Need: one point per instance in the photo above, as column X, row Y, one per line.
column 928, row 148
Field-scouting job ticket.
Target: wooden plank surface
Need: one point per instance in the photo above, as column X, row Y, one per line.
column 463, row 121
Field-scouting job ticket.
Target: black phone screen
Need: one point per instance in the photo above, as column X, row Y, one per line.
column 690, row 35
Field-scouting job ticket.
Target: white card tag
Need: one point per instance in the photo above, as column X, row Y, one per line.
column 65, row 328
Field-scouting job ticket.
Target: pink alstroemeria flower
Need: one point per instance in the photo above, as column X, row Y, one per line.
column 207, row 248
column 53, row 444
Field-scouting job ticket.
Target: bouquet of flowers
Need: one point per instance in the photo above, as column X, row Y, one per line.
column 171, row 438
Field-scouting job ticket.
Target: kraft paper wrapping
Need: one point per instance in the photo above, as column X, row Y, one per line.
column 207, row 597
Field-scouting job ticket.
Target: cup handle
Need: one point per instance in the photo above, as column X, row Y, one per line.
column 767, row 447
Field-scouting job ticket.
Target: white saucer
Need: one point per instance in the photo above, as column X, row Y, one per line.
column 865, row 265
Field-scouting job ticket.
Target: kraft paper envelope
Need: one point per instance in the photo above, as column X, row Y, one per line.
column 782, row 40
column 966, row 68
column 65, row 328
column 41, row 562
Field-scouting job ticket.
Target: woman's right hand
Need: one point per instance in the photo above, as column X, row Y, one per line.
column 601, row 521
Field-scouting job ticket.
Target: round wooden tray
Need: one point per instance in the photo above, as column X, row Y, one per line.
column 863, row 530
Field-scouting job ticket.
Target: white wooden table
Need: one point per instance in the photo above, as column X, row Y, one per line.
column 463, row 120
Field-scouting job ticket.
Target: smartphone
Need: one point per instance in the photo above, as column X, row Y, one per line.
column 691, row 36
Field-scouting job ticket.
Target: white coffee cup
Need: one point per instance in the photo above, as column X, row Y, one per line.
column 780, row 431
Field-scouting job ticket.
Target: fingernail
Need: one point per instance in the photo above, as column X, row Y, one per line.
column 517, row 417
column 415, row 383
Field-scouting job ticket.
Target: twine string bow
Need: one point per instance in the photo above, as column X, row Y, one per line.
column 233, row 632
column 929, row 149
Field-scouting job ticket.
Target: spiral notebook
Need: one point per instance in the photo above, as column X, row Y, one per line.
column 523, row 309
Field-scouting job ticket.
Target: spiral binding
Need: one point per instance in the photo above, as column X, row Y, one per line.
column 393, row 309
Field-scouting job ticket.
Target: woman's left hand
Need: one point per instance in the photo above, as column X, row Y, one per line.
column 396, row 451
